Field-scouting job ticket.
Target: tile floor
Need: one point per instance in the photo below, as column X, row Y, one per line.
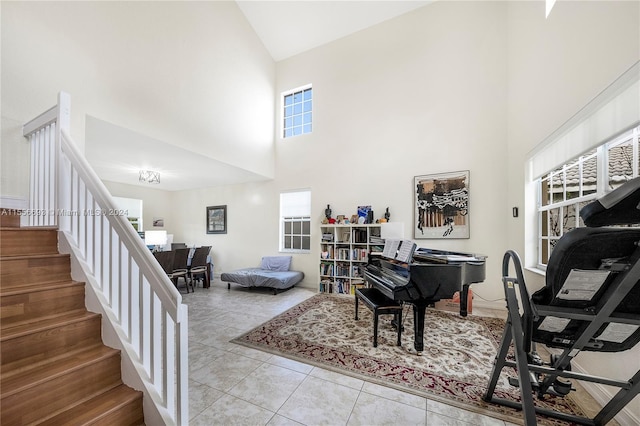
column 234, row 385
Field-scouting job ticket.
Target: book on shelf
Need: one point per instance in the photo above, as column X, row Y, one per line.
column 327, row 252
column 345, row 236
column 326, row 269
column 342, row 269
column 357, row 271
column 343, row 254
column 326, row 286
column 342, row 287
column 359, row 254
column 376, row 249
column 374, row 239
column 356, row 284
column 360, row 236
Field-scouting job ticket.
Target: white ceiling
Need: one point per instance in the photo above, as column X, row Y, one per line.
column 286, row 28
column 290, row 27
column 118, row 154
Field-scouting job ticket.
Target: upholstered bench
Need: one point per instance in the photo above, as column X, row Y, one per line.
column 380, row 305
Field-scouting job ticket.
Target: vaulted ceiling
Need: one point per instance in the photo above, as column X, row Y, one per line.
column 286, row 28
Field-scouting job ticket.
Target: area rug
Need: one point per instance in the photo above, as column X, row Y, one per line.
column 454, row 368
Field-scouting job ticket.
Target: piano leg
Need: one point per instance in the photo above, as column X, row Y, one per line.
column 419, row 310
column 464, row 294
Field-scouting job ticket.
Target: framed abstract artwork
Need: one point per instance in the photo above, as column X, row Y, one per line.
column 217, row 220
column 441, row 205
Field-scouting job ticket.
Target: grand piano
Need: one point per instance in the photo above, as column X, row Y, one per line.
column 423, row 276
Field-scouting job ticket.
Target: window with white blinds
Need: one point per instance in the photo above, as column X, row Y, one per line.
column 591, row 154
column 295, row 221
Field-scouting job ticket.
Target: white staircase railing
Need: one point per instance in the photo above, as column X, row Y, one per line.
column 137, row 298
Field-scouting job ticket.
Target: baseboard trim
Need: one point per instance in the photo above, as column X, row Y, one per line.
column 486, row 304
column 602, row 395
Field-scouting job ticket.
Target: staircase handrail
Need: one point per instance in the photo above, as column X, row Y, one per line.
column 149, row 266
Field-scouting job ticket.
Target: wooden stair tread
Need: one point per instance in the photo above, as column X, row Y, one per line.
column 14, row 289
column 29, row 228
column 32, row 256
column 54, row 368
column 27, row 327
column 97, row 408
column 8, row 371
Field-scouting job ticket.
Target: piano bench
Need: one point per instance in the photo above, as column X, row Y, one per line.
column 380, row 305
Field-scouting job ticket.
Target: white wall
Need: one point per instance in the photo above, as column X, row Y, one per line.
column 556, row 66
column 192, row 74
column 252, row 226
column 155, row 203
column 424, row 93
column 453, row 86
column 14, row 160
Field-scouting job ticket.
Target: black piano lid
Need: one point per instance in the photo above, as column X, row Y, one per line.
column 444, row 256
column 400, row 269
column 405, row 251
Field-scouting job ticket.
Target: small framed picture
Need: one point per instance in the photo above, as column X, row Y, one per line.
column 217, row 219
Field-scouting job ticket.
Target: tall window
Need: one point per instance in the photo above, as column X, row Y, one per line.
column 599, row 148
column 565, row 190
column 295, row 221
column 297, row 111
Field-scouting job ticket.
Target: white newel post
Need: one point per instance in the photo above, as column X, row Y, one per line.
column 44, row 133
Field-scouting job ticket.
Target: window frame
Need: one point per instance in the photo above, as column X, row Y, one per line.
column 284, row 117
column 602, row 186
column 293, row 220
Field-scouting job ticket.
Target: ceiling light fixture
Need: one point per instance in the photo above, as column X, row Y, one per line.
column 149, row 176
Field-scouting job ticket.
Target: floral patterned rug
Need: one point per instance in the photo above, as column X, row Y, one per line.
column 454, row 368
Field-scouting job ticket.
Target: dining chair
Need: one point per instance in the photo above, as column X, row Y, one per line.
column 181, row 266
column 200, row 266
column 166, row 259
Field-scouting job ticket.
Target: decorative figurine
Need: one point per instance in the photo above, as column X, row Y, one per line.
column 327, row 212
column 387, row 215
